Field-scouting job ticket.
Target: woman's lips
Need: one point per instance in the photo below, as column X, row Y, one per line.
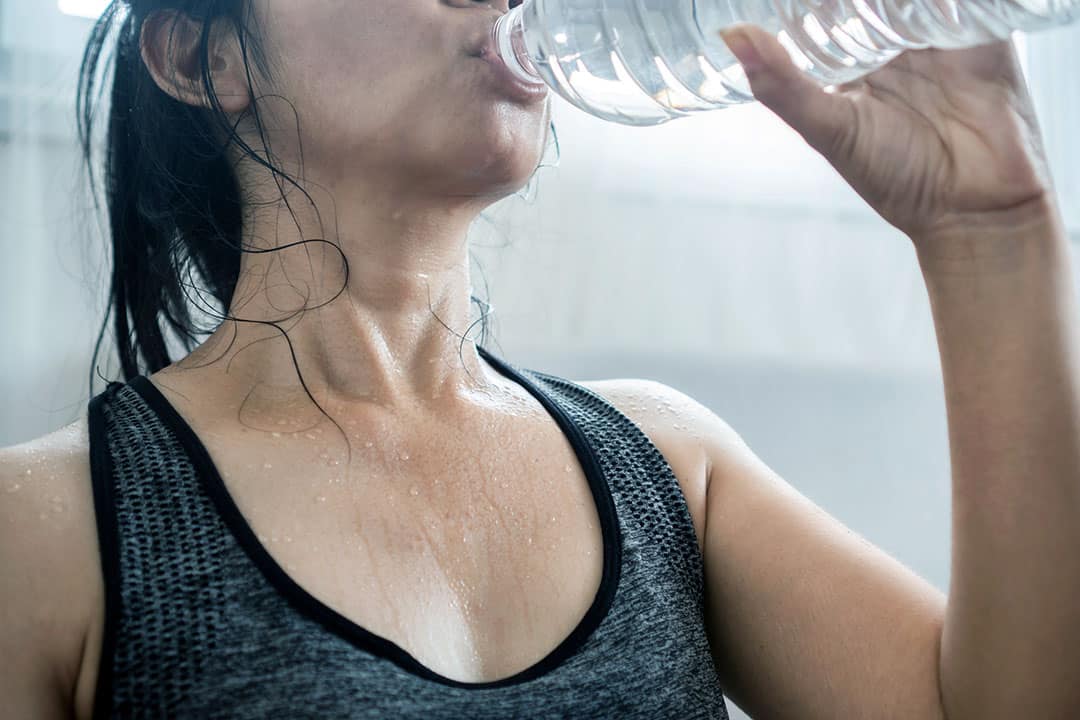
column 510, row 83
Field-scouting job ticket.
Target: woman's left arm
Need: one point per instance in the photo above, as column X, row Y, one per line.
column 945, row 146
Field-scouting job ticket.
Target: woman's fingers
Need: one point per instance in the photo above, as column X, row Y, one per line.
column 826, row 120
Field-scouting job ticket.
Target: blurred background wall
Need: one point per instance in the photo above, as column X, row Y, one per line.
column 717, row 254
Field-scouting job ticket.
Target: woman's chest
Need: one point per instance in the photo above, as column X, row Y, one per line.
column 477, row 564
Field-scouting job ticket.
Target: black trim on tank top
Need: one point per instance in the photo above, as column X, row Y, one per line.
column 101, row 480
column 309, row 605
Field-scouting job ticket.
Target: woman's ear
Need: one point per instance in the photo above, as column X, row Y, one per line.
column 169, row 45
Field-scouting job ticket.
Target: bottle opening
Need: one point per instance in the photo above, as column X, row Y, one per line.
column 508, row 37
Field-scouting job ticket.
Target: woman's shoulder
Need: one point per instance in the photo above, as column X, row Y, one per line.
column 53, row 590
column 676, row 424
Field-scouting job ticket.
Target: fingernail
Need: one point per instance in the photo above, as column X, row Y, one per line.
column 743, row 48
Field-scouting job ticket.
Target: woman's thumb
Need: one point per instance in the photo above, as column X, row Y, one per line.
column 822, row 118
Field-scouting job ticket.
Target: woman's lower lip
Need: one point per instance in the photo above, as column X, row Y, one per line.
column 511, row 84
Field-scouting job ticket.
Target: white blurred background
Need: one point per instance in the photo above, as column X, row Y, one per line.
column 717, row 254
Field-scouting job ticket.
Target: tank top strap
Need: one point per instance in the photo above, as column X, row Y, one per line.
column 165, row 557
column 101, row 480
column 654, row 517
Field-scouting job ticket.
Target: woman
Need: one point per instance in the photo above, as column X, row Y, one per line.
column 340, row 505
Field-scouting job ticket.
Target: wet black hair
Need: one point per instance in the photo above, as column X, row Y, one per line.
column 173, row 199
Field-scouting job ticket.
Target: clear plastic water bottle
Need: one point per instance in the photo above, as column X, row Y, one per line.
column 645, row 62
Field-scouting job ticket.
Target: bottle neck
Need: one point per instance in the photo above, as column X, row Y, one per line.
column 509, row 41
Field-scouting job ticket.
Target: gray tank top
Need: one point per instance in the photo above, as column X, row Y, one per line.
column 201, row 622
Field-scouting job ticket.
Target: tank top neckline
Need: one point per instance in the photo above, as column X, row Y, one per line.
column 332, row 620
